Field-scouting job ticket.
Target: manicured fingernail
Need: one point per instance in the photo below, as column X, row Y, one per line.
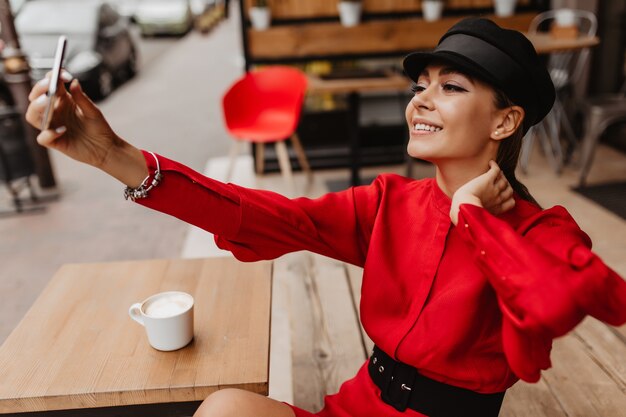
column 44, row 82
column 60, row 129
column 66, row 76
column 41, row 99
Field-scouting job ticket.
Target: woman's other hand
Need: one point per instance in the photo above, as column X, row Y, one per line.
column 490, row 190
column 79, row 130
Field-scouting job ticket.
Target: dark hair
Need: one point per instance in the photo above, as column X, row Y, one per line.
column 509, row 150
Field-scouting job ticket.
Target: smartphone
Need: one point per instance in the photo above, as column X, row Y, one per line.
column 54, row 82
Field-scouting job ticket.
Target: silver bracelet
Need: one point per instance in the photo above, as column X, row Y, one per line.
column 142, row 190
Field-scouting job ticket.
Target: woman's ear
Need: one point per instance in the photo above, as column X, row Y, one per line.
column 509, row 120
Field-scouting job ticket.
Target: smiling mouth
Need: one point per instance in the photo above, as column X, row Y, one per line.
column 423, row 127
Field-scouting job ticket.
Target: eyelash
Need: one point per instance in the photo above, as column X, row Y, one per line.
column 454, row 88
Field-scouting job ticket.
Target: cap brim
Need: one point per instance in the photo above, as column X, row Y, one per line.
column 416, row 62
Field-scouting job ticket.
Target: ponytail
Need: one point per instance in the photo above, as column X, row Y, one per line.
column 509, row 151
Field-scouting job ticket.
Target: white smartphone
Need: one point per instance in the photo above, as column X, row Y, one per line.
column 54, row 82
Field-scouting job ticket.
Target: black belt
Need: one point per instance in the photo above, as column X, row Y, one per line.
column 403, row 387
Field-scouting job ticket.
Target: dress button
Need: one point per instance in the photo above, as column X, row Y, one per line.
column 374, row 360
column 381, row 369
column 580, row 257
column 466, row 225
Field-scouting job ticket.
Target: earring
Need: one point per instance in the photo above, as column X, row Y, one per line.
column 497, row 132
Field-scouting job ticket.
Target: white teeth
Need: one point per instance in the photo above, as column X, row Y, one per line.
column 429, row 128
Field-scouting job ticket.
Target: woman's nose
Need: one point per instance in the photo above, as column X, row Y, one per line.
column 424, row 99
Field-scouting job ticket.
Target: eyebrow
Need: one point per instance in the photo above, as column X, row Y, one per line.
column 450, row 70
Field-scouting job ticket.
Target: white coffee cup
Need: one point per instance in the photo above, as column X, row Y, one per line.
column 565, row 17
column 432, row 9
column 168, row 319
column 504, row 8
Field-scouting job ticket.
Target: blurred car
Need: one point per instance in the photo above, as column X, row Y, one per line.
column 100, row 49
column 167, row 17
column 198, row 7
column 16, row 6
column 125, row 8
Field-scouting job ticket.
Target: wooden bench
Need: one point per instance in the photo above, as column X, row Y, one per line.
column 588, row 377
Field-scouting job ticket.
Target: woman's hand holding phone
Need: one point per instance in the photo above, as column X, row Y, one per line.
column 78, row 129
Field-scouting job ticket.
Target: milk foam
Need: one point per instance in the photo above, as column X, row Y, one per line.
column 167, row 305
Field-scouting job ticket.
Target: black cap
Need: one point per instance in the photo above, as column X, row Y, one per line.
column 504, row 58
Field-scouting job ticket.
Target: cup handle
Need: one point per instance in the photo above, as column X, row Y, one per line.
column 135, row 313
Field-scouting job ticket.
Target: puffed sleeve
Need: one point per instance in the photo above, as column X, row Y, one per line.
column 258, row 224
column 546, row 278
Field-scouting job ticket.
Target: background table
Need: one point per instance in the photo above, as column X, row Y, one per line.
column 77, row 348
column 353, row 87
column 544, row 43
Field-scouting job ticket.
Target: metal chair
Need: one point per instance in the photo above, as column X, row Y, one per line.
column 600, row 113
column 262, row 107
column 565, row 69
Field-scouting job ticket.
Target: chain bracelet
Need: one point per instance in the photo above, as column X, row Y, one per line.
column 142, row 190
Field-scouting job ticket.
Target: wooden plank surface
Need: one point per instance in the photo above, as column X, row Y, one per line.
column 588, row 378
column 580, row 384
column 355, row 278
column 326, row 341
column 531, row 400
column 606, row 346
column 382, row 36
column 77, row 347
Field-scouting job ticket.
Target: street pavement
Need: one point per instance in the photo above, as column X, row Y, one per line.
column 173, row 107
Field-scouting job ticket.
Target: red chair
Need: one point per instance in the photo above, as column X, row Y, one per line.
column 264, row 106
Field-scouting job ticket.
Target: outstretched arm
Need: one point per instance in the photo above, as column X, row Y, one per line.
column 273, row 224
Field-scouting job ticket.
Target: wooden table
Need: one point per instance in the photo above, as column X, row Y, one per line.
column 556, row 123
column 77, row 348
column 544, row 43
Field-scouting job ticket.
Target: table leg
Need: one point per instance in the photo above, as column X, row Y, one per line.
column 355, row 148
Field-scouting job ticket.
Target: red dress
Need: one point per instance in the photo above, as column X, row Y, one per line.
column 475, row 306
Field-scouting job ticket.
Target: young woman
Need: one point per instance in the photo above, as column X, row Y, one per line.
column 466, row 279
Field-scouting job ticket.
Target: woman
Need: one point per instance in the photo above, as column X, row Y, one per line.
column 451, row 335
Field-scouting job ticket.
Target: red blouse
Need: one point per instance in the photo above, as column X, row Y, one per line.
column 476, row 305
